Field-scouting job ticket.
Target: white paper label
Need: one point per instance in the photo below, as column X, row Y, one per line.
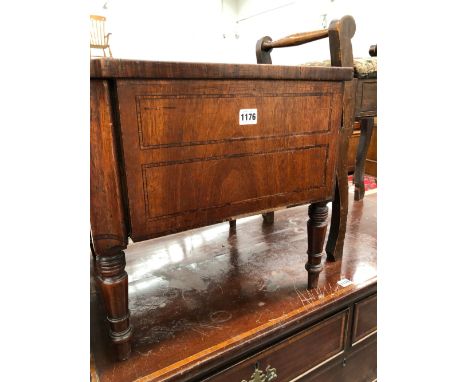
column 344, row 282
column 248, row 117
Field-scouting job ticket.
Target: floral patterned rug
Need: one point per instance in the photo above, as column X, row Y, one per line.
column 370, row 184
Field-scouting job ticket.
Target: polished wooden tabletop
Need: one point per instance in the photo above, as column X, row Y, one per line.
column 202, row 294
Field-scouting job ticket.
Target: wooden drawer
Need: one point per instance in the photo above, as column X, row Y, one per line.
column 365, row 319
column 190, row 163
column 294, row 356
column 366, row 98
column 359, row 366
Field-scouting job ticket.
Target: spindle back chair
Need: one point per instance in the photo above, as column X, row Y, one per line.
column 99, row 39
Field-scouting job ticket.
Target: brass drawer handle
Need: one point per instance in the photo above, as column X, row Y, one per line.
column 259, row 376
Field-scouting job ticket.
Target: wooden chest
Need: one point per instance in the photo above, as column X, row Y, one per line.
column 176, row 146
column 188, row 160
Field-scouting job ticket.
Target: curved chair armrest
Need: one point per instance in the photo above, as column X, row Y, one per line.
column 339, row 32
column 295, row 39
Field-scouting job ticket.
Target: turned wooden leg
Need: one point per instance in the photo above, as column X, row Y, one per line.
column 367, row 125
column 109, row 232
column 269, row 217
column 113, row 284
column 316, row 230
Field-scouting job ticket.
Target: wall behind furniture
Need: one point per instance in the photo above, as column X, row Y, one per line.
column 168, row 30
column 227, row 30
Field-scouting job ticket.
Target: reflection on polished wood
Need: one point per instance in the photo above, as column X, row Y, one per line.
column 208, row 297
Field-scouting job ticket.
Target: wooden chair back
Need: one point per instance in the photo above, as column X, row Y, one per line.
column 98, row 37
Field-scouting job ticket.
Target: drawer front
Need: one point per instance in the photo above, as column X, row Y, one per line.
column 366, row 98
column 365, row 318
column 359, row 366
column 189, row 162
column 292, row 357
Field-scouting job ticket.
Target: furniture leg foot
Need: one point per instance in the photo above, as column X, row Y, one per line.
column 366, row 134
column 269, row 217
column 316, row 230
column 113, row 284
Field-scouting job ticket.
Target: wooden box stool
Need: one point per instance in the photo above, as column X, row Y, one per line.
column 170, row 143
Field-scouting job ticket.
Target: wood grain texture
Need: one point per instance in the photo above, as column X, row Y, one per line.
column 340, row 33
column 336, row 237
column 189, row 163
column 108, row 228
column 296, row 39
column 316, row 231
column 120, row 68
column 173, row 155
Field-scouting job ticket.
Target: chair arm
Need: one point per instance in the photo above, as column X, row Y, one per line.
column 106, row 38
column 295, row 39
column 373, row 50
column 340, row 33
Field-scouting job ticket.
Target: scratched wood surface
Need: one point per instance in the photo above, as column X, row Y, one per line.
column 200, row 297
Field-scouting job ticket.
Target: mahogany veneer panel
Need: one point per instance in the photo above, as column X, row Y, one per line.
column 186, row 136
column 359, row 366
column 108, row 211
column 294, row 356
column 365, row 318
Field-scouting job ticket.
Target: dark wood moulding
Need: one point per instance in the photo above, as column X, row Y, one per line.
column 120, row 68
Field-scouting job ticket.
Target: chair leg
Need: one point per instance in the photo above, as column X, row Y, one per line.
column 112, row 281
column 339, row 216
column 316, row 231
column 367, row 125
